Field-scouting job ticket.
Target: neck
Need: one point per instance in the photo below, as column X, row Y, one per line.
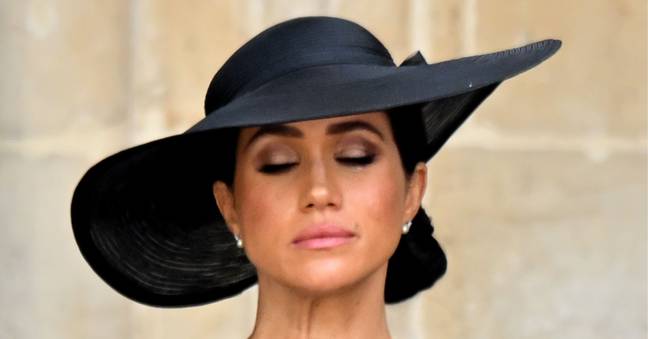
column 356, row 311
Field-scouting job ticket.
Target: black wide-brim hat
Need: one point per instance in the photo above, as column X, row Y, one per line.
column 145, row 218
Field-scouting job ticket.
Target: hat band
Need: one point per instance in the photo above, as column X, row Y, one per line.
column 249, row 78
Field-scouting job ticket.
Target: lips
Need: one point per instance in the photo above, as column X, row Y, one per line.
column 321, row 236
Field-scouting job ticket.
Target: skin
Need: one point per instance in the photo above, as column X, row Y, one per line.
column 325, row 293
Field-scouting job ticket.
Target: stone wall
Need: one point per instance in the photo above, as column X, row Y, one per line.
column 539, row 198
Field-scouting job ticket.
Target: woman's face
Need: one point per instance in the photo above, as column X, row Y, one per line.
column 320, row 204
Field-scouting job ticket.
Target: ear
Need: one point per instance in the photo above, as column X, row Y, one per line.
column 415, row 191
column 225, row 202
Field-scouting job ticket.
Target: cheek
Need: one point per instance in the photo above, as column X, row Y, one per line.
column 263, row 213
column 377, row 195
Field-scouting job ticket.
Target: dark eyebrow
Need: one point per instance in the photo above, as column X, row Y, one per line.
column 290, row 131
column 347, row 126
column 282, row 130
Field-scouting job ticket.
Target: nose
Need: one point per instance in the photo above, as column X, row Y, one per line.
column 320, row 190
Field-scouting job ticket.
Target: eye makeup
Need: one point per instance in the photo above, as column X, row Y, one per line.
column 276, row 158
column 352, row 152
column 357, row 161
column 276, row 168
column 356, row 152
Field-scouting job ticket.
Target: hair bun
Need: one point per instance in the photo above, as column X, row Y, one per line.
column 419, row 261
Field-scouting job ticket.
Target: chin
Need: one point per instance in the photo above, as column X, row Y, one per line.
column 324, row 276
column 322, row 272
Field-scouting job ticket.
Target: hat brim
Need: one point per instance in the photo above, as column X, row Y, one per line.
column 333, row 90
column 145, row 219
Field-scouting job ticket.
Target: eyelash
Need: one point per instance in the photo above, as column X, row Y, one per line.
column 349, row 161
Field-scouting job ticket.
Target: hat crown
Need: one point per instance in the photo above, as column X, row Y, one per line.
column 289, row 46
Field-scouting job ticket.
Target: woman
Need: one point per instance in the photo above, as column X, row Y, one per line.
column 306, row 176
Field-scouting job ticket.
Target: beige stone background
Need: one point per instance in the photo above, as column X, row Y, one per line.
column 539, row 198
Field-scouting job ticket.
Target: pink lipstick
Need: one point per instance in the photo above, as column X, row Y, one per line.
column 322, row 236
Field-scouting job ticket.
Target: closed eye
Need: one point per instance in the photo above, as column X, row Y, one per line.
column 349, row 161
column 357, row 161
column 276, row 168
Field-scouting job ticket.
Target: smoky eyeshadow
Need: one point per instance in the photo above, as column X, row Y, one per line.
column 356, row 147
column 276, row 154
column 350, row 150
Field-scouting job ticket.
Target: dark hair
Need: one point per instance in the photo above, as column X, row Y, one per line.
column 418, row 261
column 409, row 135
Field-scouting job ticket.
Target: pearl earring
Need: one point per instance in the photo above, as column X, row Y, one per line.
column 406, row 227
column 239, row 241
